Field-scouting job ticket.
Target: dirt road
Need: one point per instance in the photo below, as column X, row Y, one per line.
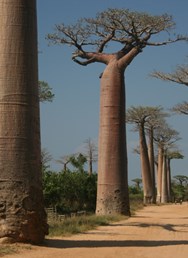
column 154, row 232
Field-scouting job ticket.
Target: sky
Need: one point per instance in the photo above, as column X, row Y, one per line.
column 73, row 116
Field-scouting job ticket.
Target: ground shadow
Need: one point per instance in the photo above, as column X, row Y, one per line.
column 169, row 227
column 58, row 243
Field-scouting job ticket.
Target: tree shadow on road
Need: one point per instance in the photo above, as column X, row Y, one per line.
column 169, row 227
column 58, row 243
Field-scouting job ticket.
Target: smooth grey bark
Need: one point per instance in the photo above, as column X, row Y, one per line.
column 22, row 215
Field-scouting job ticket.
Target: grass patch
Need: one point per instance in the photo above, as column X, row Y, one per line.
column 81, row 224
column 14, row 248
column 7, row 249
column 136, row 202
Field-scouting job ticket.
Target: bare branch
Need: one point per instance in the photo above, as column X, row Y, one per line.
column 181, row 108
column 84, row 63
column 180, row 75
column 105, row 41
column 167, row 41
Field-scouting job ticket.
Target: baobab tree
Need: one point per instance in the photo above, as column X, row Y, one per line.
column 142, row 116
column 153, row 122
column 22, row 215
column 137, row 182
column 91, row 154
column 89, row 37
column 171, row 154
column 165, row 137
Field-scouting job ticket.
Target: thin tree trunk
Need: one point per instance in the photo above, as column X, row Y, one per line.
column 164, row 192
column 112, row 191
column 169, row 187
column 152, row 163
column 90, row 165
column 22, row 215
column 145, row 167
column 159, row 173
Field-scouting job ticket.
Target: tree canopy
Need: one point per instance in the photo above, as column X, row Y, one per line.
column 179, row 76
column 129, row 28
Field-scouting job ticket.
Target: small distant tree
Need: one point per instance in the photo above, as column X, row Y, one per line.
column 64, row 160
column 91, row 154
column 78, row 161
column 180, row 188
column 181, row 179
column 45, row 92
column 46, row 157
column 137, row 182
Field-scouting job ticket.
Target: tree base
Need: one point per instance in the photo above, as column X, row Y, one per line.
column 22, row 214
column 112, row 200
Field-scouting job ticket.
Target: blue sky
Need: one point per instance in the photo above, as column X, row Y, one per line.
column 73, row 116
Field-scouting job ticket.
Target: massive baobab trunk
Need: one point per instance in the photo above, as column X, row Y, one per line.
column 22, row 215
column 112, row 196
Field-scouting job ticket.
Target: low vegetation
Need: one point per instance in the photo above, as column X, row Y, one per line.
column 81, row 224
column 6, row 249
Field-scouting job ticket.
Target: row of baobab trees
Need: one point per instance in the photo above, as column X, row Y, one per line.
column 22, row 214
column 157, row 147
column 150, row 122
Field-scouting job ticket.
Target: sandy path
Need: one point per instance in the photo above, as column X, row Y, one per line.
column 156, row 231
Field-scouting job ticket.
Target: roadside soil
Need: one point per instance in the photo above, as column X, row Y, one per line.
column 154, row 232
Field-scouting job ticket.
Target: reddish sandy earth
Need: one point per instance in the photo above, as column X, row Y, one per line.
column 154, row 232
